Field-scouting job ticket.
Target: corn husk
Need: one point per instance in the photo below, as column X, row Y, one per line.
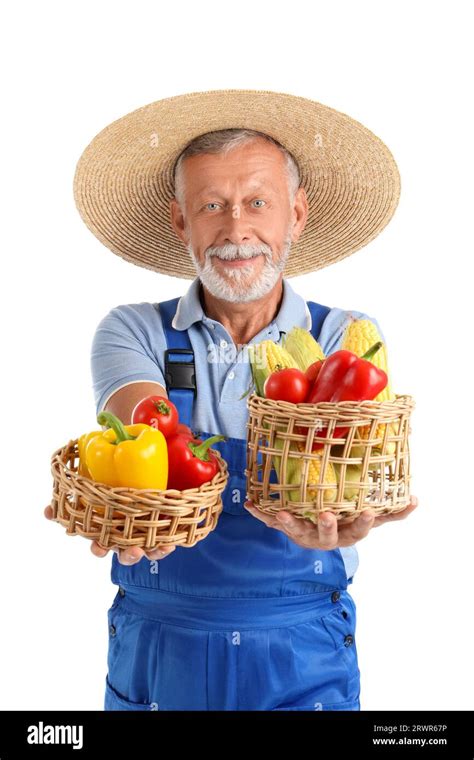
column 302, row 347
column 294, row 473
column 265, row 358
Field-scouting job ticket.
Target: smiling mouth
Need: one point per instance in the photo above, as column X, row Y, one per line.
column 239, row 260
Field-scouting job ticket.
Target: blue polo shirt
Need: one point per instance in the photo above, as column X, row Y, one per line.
column 129, row 347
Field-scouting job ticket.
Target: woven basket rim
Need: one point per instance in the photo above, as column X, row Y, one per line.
column 400, row 400
column 117, row 516
column 57, row 458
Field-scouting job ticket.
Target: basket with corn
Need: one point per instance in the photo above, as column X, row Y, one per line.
column 327, row 432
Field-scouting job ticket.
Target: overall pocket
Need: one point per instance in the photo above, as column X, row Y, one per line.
column 115, row 701
column 132, row 658
column 340, row 625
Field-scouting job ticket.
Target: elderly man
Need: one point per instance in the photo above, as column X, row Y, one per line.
column 257, row 616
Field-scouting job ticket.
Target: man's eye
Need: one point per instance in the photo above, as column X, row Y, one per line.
column 211, row 204
column 258, row 200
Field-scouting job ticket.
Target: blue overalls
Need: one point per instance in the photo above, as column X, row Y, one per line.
column 244, row 620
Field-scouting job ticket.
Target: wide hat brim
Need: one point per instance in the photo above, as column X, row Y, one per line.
column 123, row 182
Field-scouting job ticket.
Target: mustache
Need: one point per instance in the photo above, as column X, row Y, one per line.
column 230, row 251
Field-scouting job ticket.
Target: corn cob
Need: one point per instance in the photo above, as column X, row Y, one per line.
column 265, row 357
column 293, row 467
column 358, row 337
column 294, row 471
column 353, row 473
column 314, row 471
column 303, row 347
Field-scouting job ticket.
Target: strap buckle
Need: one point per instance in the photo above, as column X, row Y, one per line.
column 180, row 374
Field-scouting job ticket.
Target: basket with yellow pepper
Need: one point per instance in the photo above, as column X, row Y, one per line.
column 139, row 485
column 327, row 432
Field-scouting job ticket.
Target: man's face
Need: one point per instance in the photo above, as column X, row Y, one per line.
column 238, row 223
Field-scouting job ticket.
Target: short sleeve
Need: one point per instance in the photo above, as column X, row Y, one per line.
column 128, row 347
column 334, row 326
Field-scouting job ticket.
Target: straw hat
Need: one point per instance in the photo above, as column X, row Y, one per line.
column 124, row 179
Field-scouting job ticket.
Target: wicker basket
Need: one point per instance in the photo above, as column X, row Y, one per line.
column 380, row 427
column 125, row 517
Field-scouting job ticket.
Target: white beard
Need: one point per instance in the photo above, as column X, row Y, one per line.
column 237, row 285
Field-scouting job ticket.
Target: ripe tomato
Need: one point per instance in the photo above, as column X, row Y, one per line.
column 158, row 412
column 289, row 384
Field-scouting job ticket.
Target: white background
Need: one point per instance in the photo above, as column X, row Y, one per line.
column 402, row 70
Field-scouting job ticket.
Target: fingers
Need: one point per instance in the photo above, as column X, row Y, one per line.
column 326, row 535
column 134, row 554
column 303, row 532
column 97, row 550
column 159, row 552
column 269, row 520
column 382, row 519
column 358, row 529
column 131, row 555
column 328, row 531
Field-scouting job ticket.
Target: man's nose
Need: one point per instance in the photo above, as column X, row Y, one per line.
column 236, row 229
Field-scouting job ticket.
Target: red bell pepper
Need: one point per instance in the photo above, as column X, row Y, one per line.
column 362, row 381
column 182, row 428
column 313, row 371
column 189, row 460
column 330, row 375
column 345, row 376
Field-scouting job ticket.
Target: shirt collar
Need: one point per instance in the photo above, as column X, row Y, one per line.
column 293, row 309
column 189, row 308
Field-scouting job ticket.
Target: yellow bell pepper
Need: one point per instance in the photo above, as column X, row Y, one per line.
column 81, row 445
column 132, row 456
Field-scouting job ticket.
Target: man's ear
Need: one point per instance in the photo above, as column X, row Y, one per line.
column 177, row 221
column 299, row 213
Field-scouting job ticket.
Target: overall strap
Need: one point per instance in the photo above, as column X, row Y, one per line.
column 180, row 374
column 318, row 315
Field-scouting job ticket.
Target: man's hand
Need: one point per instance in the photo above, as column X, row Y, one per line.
column 326, row 535
column 129, row 556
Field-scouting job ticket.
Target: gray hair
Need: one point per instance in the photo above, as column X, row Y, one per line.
column 223, row 141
